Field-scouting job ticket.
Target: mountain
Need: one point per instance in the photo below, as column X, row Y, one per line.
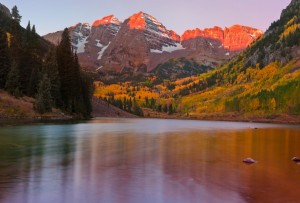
column 141, row 43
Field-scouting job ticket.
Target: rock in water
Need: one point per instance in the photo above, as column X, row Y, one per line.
column 296, row 159
column 249, row 161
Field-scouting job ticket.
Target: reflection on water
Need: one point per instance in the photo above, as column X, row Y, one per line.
column 160, row 161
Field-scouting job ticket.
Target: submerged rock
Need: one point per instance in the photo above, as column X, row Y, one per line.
column 249, row 161
column 296, row 159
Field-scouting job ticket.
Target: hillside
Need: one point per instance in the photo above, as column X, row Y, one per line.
column 179, row 68
column 104, row 109
column 23, row 108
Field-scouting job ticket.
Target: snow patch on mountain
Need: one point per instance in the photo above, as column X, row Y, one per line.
column 169, row 49
column 99, row 44
column 100, row 54
column 80, row 47
column 99, row 68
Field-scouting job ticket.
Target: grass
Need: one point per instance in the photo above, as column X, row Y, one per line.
column 11, row 107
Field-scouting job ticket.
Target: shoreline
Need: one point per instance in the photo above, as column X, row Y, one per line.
column 280, row 119
column 230, row 117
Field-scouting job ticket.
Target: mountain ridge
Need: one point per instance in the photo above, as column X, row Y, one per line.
column 141, row 43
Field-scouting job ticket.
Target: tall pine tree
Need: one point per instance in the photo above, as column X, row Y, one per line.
column 15, row 14
column 12, row 83
column 43, row 97
column 66, row 71
column 16, row 36
column 75, row 88
column 50, row 68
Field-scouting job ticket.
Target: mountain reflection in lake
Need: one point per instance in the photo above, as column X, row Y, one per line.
column 148, row 161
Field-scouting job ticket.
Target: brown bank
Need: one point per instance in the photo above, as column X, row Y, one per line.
column 279, row 118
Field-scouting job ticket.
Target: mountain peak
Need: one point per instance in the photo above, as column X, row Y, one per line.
column 111, row 19
column 80, row 26
column 146, row 22
column 73, row 26
column 137, row 21
column 142, row 20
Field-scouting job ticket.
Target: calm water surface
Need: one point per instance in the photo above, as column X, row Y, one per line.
column 148, row 161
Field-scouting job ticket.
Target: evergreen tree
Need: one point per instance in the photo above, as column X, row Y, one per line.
column 166, row 108
column 50, row 68
column 25, row 69
column 16, row 36
column 43, row 97
column 28, row 33
column 12, row 83
column 33, row 82
column 159, row 108
column 170, row 110
column 76, row 88
column 34, row 38
column 153, row 103
column 4, row 59
column 65, row 68
column 147, row 102
column 33, row 31
column 129, row 105
column 137, row 110
column 87, row 90
column 15, row 14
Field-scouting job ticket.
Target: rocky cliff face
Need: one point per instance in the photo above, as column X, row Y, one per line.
column 212, row 45
column 141, row 42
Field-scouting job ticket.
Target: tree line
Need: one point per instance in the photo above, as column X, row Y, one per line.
column 129, row 105
column 54, row 78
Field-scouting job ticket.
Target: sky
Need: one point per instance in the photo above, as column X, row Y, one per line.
column 178, row 15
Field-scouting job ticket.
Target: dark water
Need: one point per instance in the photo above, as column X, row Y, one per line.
column 148, row 161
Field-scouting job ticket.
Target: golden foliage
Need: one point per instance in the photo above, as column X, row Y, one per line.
column 8, row 38
column 289, row 30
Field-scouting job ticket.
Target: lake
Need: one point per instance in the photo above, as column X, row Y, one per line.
column 148, row 161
